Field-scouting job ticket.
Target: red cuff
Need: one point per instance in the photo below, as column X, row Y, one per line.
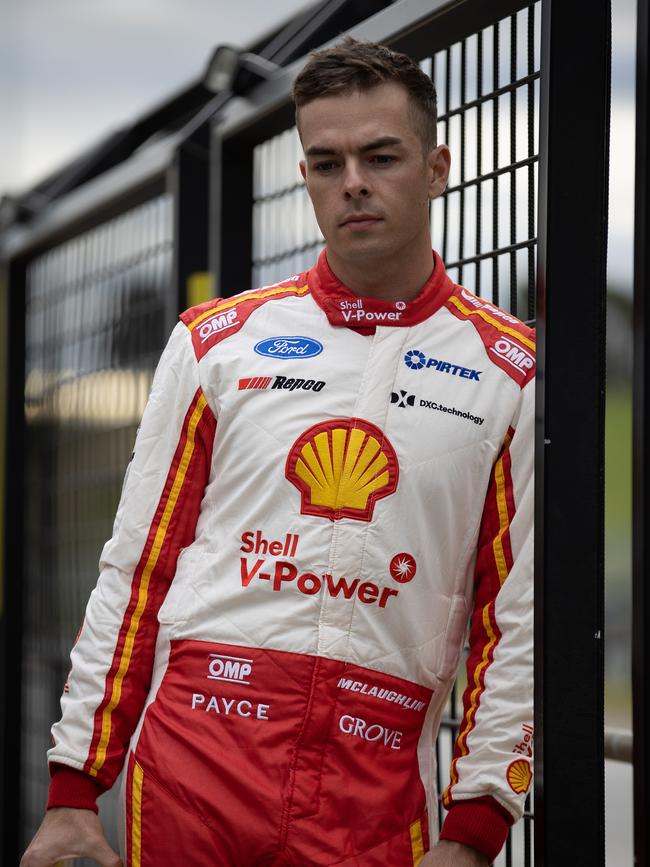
column 72, row 788
column 482, row 824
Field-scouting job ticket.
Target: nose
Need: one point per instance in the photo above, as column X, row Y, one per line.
column 355, row 182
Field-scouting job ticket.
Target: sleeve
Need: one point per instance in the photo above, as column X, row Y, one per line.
column 112, row 658
column 491, row 769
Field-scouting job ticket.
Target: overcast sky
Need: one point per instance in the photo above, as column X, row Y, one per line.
column 72, row 71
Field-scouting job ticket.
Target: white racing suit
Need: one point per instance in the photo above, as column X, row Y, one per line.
column 326, row 489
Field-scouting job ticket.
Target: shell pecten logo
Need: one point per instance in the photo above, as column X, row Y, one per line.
column 341, row 468
column 519, row 775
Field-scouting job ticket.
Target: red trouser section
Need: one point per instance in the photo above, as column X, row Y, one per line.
column 253, row 757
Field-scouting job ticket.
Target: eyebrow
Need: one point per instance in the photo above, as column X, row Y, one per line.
column 375, row 144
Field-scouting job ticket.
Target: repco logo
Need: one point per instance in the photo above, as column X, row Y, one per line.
column 217, row 324
column 232, row 668
column 513, row 353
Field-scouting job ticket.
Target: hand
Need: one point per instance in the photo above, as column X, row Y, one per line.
column 450, row 854
column 67, row 832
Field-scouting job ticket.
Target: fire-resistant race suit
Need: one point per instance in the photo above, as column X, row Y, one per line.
column 326, row 489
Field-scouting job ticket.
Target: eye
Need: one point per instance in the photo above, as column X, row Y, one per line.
column 324, row 167
column 382, row 159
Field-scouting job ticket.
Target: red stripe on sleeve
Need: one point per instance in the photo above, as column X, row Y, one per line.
column 179, row 533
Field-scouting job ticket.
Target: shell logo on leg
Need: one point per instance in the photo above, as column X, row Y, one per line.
column 341, row 468
column 519, row 776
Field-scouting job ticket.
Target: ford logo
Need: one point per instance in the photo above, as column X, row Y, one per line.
column 289, row 347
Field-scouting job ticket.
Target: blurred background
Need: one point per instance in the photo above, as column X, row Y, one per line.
column 72, row 72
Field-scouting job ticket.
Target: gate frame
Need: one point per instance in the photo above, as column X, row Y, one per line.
column 570, row 437
column 176, row 166
column 569, row 528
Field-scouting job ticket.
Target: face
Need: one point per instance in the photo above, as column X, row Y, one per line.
column 368, row 177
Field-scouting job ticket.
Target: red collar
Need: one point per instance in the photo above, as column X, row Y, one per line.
column 362, row 312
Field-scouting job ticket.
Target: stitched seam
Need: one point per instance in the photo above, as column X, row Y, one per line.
column 286, row 812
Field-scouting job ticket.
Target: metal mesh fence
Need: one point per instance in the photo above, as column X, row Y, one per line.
column 484, row 226
column 488, row 108
column 97, row 309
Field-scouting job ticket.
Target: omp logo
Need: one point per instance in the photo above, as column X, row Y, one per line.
column 519, row 776
column 402, row 398
column 416, row 360
column 513, row 353
column 232, row 668
column 289, row 347
column 218, row 323
column 341, row 468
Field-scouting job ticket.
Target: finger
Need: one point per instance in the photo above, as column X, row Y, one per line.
column 105, row 856
column 99, row 851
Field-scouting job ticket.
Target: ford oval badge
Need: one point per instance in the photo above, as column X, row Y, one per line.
column 289, row 347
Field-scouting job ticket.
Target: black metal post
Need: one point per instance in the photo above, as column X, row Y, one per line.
column 11, row 631
column 188, row 181
column 233, row 229
column 641, row 473
column 569, row 597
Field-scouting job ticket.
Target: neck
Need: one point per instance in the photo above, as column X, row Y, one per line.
column 388, row 279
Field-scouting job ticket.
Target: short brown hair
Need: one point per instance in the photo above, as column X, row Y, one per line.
column 352, row 65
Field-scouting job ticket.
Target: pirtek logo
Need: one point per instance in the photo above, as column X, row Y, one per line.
column 216, row 324
column 416, row 360
column 513, row 353
column 232, row 668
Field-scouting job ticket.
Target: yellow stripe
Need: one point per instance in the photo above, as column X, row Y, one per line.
column 417, row 843
column 499, row 325
column 504, row 522
column 251, row 296
column 136, row 815
column 144, row 586
column 467, row 727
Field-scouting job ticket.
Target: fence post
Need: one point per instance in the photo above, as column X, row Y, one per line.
column 569, row 513
column 641, row 472
column 11, row 614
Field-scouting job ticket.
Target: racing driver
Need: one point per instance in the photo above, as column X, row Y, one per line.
column 331, row 488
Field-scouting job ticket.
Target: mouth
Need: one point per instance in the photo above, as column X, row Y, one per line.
column 359, row 222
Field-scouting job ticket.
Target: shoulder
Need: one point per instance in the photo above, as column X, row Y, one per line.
column 509, row 343
column 220, row 318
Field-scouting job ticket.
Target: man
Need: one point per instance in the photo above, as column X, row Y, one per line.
column 332, row 475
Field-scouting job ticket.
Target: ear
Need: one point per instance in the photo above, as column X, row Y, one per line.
column 303, row 169
column 438, row 163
